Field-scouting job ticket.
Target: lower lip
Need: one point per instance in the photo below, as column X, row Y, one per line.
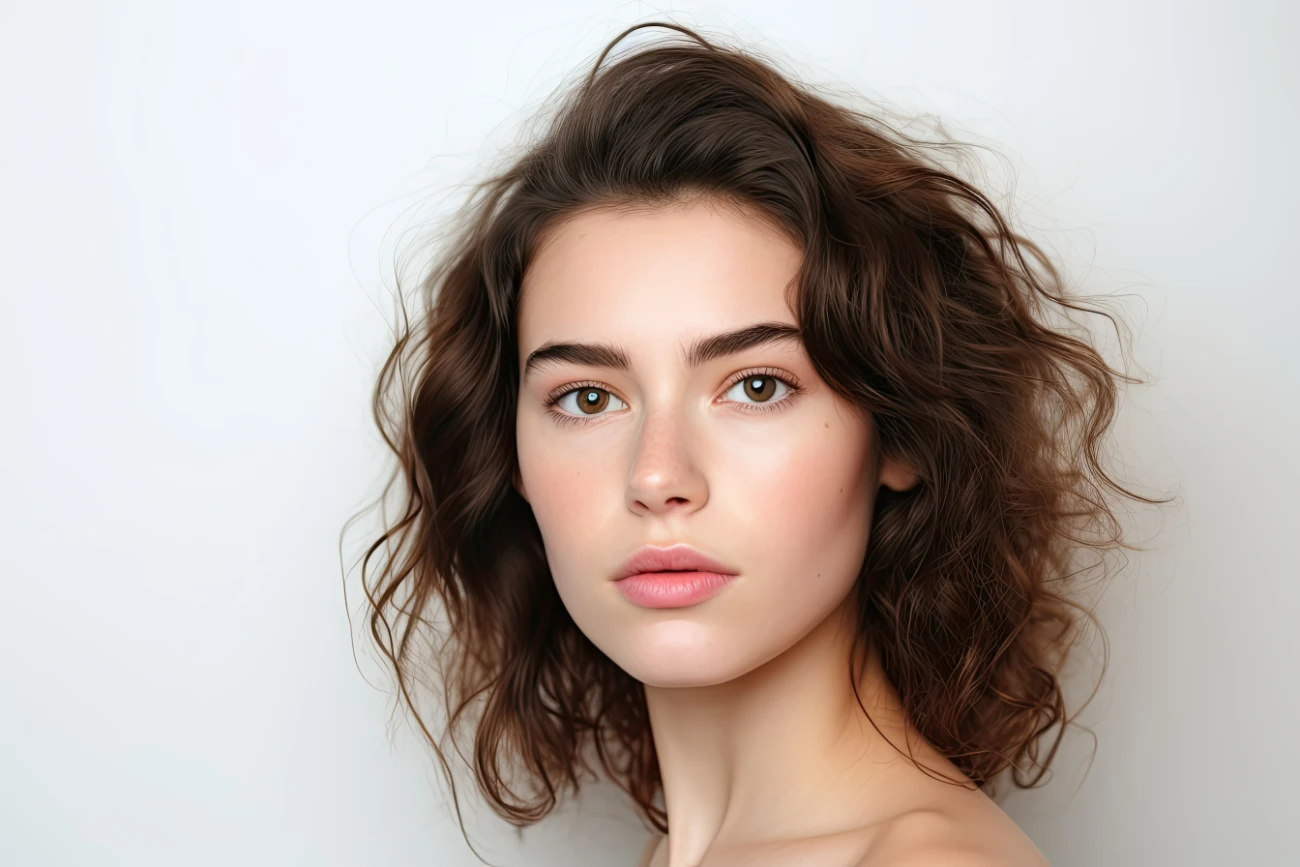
column 671, row 589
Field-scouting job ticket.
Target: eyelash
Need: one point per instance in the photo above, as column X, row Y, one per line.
column 791, row 383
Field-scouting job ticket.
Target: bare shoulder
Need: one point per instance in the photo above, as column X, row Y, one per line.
column 972, row 834
column 959, row 828
column 947, row 855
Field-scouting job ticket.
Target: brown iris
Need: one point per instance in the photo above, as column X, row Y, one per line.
column 593, row 399
column 764, row 390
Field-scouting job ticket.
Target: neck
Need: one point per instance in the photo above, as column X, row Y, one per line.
column 784, row 752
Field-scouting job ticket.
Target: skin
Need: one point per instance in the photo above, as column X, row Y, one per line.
column 765, row 755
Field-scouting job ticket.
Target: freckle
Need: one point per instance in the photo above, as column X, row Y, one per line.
column 828, row 425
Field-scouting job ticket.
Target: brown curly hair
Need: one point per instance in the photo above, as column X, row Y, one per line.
column 916, row 302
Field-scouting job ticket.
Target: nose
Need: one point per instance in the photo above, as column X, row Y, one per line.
column 664, row 476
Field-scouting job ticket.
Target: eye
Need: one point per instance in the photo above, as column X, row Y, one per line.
column 767, row 389
column 762, row 390
column 587, row 400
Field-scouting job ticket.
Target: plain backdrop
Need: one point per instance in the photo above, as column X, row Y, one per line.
column 201, row 207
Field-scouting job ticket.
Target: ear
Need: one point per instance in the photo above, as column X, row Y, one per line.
column 897, row 475
column 518, row 482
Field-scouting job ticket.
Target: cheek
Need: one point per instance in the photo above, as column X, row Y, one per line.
column 829, row 487
column 808, row 515
column 569, row 492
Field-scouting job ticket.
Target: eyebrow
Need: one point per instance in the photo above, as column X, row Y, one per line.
column 703, row 350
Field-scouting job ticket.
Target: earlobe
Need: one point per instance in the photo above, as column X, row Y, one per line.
column 897, row 475
column 519, row 485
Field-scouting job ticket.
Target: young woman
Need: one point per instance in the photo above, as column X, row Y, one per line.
column 739, row 459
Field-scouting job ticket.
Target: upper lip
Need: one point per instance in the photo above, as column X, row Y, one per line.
column 674, row 559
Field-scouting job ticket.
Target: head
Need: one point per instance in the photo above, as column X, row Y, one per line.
column 629, row 432
column 708, row 306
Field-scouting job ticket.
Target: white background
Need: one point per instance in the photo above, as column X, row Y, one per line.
column 200, row 204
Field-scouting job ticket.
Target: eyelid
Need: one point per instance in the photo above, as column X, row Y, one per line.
column 788, row 378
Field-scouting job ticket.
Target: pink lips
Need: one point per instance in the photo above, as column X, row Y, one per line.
column 671, row 577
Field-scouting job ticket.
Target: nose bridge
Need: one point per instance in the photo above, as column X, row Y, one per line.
column 663, row 470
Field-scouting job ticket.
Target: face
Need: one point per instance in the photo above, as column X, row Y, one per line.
column 747, row 456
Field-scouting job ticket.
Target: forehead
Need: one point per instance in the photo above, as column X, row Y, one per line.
column 655, row 274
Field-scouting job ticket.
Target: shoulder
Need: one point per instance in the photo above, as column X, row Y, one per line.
column 941, row 855
column 929, row 838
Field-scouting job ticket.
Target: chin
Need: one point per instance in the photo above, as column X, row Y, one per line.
column 681, row 654
column 679, row 676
